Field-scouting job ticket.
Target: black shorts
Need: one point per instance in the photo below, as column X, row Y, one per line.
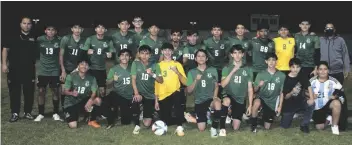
column 52, row 81
column 268, row 113
column 116, row 101
column 201, row 111
column 148, row 107
column 100, row 76
column 319, row 116
column 72, row 112
column 237, row 109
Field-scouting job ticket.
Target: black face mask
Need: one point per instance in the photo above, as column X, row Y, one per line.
column 329, row 32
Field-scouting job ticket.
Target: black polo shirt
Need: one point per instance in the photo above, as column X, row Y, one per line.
column 22, row 53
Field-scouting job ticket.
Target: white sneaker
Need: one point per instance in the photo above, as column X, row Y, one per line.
column 136, row 129
column 179, row 131
column 329, row 120
column 222, row 132
column 245, row 117
column 39, row 118
column 228, row 120
column 56, row 117
column 213, row 133
column 335, row 130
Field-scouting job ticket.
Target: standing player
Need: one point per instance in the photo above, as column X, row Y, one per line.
column 139, row 32
column 203, row 83
column 268, row 86
column 284, row 48
column 154, row 42
column 177, row 54
column 70, row 53
column 307, row 49
column 241, row 40
column 236, row 79
column 190, row 49
column 260, row 47
column 80, row 90
column 121, row 96
column 144, row 75
column 49, row 70
column 124, row 39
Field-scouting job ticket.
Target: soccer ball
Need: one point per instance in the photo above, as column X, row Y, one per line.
column 159, row 128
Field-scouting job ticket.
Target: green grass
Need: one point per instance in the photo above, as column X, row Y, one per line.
column 48, row 132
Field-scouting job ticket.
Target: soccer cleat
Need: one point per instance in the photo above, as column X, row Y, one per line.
column 179, row 131
column 228, row 120
column 14, row 117
column 94, row 124
column 39, row 118
column 213, row 133
column 136, row 129
column 222, row 132
column 109, row 126
column 335, row 130
column 56, row 117
column 304, row 129
column 254, row 129
column 28, row 116
column 189, row 118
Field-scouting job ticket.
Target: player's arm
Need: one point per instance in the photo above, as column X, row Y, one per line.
column 250, row 89
column 63, row 45
column 181, row 74
column 316, row 51
column 94, row 89
column 226, row 76
column 68, row 86
column 185, row 55
column 346, row 57
column 157, row 75
column 86, row 46
column 134, row 76
column 281, row 96
column 293, row 49
column 216, row 90
column 110, row 77
column 4, row 59
column 191, row 82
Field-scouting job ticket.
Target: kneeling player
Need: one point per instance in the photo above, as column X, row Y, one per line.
column 144, row 74
column 203, row 83
column 78, row 86
column 236, row 79
column 268, row 87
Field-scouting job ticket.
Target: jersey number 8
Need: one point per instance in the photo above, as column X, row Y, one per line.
column 99, row 51
column 204, row 84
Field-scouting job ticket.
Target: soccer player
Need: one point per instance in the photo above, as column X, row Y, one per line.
column 176, row 36
column 284, row 49
column 328, row 94
column 139, row 32
column 237, row 81
column 99, row 47
column 298, row 96
column 190, row 49
column 121, row 95
column 307, row 49
column 268, row 86
column 124, row 39
column 260, row 47
column 144, row 75
column 70, row 53
column 80, row 89
column 154, row 41
column 49, row 71
column 241, row 40
column 169, row 92
column 203, row 83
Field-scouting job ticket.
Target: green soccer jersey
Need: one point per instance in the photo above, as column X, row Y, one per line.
column 231, row 41
column 205, row 87
column 273, row 85
column 238, row 85
column 260, row 48
column 84, row 86
column 100, row 48
column 189, row 52
column 178, row 53
column 217, row 52
column 71, row 50
column 305, row 47
column 49, row 56
column 155, row 46
column 145, row 83
column 124, row 42
column 123, row 86
column 139, row 36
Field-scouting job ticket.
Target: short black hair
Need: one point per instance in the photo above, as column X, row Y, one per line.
column 98, row 23
column 145, row 48
column 191, row 32
column 167, row 46
column 263, row 26
column 216, row 26
column 124, row 51
column 323, row 63
column 201, row 50
column 284, row 26
column 122, row 20
column 50, row 26
column 25, row 17
column 236, row 47
column 176, row 31
column 295, row 61
column 270, row 55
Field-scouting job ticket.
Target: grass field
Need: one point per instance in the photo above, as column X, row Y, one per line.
column 48, row 132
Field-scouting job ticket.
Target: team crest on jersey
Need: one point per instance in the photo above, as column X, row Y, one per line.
column 81, row 46
column 289, row 42
column 244, row 73
column 222, row 46
column 209, row 75
column 277, row 80
column 308, row 40
column 87, row 83
column 180, row 52
column 245, row 44
column 105, row 44
column 130, row 41
column 270, row 45
column 56, row 45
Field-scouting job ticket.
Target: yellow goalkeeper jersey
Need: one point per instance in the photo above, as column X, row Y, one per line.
column 284, row 49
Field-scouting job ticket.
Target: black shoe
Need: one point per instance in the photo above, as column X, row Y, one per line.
column 28, row 116
column 304, row 129
column 254, row 129
column 14, row 117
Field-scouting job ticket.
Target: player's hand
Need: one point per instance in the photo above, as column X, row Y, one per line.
column 316, row 96
column 174, row 68
column 90, row 51
column 261, row 83
column 149, row 71
column 137, row 98
column 310, row 102
column 295, row 90
column 156, row 106
column 345, row 74
column 314, row 73
column 75, row 93
column 108, row 54
column 89, row 105
column 63, row 76
column 5, row 69
column 235, row 69
column 312, row 33
column 199, row 76
column 116, row 77
column 249, row 111
column 278, row 112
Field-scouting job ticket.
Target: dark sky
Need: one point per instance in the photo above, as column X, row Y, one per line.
column 179, row 14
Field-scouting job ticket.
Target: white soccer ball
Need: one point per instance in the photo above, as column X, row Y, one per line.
column 159, row 128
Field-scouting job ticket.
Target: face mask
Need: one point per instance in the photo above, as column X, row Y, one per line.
column 329, row 32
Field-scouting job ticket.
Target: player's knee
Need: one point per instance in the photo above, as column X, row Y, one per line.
column 336, row 104
column 256, row 103
column 42, row 91
column 226, row 101
column 217, row 104
column 72, row 125
column 320, row 126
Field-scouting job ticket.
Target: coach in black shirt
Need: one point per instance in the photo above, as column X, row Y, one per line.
column 18, row 61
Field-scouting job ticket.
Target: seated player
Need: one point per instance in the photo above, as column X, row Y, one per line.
column 80, row 89
column 295, row 97
column 144, row 74
column 119, row 77
column 237, row 81
column 202, row 82
column 327, row 92
column 268, row 87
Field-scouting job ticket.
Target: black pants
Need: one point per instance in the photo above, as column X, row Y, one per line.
column 18, row 83
column 344, row 110
column 166, row 106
